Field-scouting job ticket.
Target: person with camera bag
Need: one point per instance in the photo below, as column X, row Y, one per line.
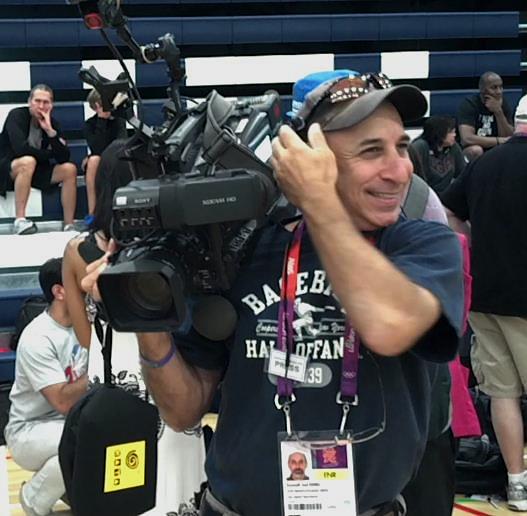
column 181, row 456
column 388, row 294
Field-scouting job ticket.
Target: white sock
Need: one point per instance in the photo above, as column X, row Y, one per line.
column 517, row 478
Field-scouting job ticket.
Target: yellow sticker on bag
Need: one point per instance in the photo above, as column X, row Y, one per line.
column 125, row 466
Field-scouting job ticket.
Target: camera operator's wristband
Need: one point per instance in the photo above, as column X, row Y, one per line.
column 155, row 364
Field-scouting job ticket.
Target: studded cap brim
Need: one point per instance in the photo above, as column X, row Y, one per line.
column 407, row 99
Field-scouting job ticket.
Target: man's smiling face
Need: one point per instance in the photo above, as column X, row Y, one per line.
column 374, row 167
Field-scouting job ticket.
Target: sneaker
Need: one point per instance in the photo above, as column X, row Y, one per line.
column 79, row 226
column 517, row 496
column 24, row 227
column 28, row 511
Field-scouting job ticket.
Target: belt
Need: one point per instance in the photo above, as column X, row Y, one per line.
column 211, row 506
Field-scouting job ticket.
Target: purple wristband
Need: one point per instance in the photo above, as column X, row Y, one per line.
column 155, row 364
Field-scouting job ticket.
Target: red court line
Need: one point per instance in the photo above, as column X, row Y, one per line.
column 470, row 510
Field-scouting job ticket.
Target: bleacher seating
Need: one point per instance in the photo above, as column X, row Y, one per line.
column 53, row 32
column 247, row 47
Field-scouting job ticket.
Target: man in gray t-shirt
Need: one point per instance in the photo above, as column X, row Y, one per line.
column 50, row 376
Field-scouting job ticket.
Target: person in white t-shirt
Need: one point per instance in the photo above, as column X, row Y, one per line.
column 50, row 376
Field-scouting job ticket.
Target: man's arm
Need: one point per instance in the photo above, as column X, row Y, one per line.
column 468, row 137
column 183, row 393
column 75, row 302
column 59, row 148
column 505, row 129
column 389, row 311
column 17, row 132
column 458, row 225
column 497, row 107
column 62, row 396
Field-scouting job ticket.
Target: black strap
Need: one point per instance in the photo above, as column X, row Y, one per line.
column 415, row 203
column 391, row 508
column 88, row 249
column 105, row 338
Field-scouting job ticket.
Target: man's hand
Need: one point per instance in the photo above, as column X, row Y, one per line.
column 306, row 172
column 44, row 120
column 93, row 271
column 493, row 104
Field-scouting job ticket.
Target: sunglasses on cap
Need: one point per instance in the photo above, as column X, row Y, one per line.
column 333, row 92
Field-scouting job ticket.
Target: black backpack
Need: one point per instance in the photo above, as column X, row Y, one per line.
column 31, row 307
column 480, row 468
column 108, row 450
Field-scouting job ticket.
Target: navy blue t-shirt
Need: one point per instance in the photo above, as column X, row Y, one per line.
column 242, row 464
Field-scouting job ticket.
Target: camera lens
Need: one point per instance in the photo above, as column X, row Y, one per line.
column 149, row 293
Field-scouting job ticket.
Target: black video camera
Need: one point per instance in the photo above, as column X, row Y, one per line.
column 185, row 230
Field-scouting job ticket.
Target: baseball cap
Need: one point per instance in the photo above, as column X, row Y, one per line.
column 345, row 100
column 520, row 117
column 308, row 83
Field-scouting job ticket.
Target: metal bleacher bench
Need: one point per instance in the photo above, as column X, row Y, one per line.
column 53, row 32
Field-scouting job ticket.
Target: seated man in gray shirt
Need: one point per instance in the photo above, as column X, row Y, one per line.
column 50, row 376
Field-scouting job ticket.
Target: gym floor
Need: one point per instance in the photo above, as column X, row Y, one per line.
column 12, row 476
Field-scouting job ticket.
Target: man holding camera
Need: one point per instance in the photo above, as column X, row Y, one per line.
column 390, row 297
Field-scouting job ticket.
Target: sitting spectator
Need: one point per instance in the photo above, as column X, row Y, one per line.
column 485, row 119
column 34, row 153
column 441, row 157
column 99, row 130
column 50, row 376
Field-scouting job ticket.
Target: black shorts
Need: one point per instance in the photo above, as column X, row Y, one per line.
column 41, row 178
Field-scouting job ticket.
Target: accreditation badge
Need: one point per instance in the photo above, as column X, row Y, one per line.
column 296, row 368
column 317, row 476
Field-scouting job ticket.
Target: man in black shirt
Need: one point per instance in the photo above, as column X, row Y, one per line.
column 34, row 153
column 398, row 281
column 490, row 193
column 485, row 120
column 99, row 130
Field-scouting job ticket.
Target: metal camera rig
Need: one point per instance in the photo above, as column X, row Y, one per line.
column 188, row 222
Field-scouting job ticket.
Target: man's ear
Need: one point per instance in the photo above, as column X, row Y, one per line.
column 58, row 292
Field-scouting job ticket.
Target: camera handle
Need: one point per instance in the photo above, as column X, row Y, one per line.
column 109, row 13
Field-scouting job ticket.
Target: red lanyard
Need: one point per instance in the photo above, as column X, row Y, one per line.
column 350, row 363
column 287, row 302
